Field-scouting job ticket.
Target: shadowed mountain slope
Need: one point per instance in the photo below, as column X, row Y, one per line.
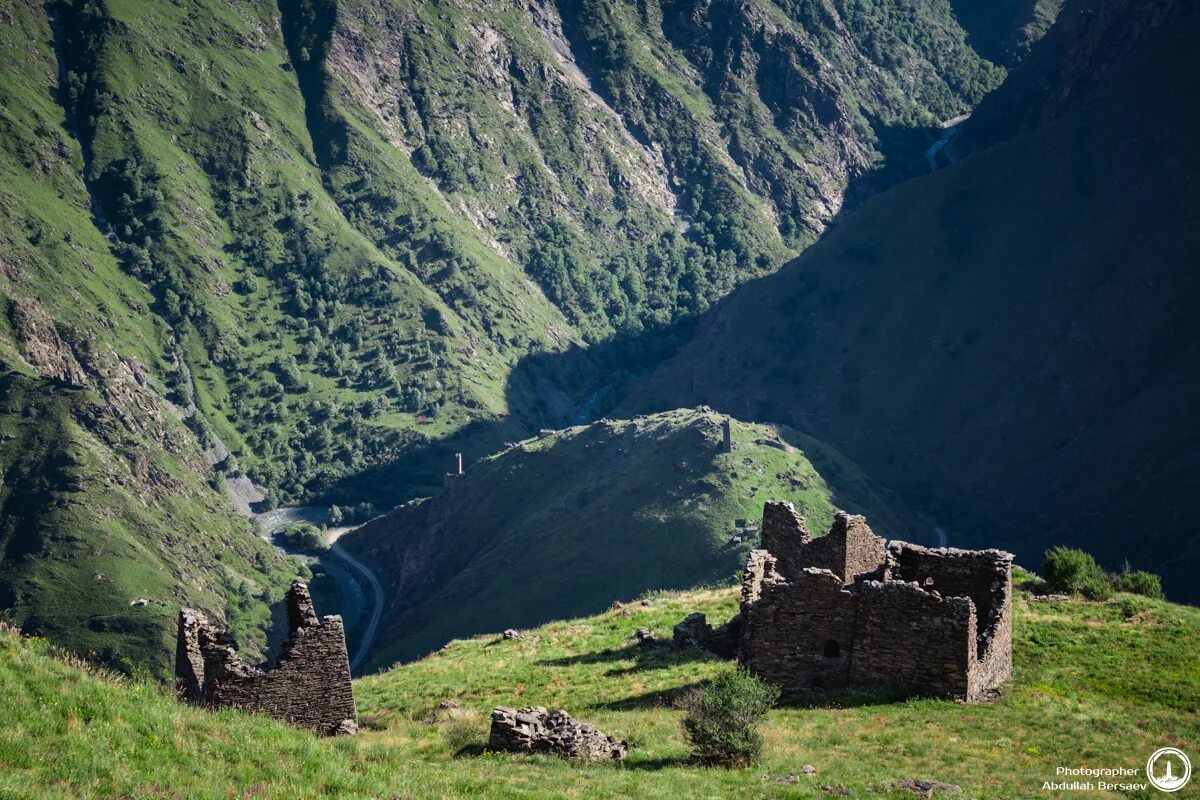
column 1010, row 343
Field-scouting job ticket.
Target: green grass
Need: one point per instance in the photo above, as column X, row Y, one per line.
column 1094, row 685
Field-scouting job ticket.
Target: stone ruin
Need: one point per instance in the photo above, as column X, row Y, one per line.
column 309, row 686
column 536, row 730
column 850, row 610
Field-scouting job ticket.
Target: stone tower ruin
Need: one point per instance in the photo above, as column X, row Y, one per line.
column 309, row 686
column 849, row 610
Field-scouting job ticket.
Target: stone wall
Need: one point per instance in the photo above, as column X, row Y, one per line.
column 309, row 686
column 850, row 548
column 912, row 639
column 848, row 610
column 863, row 552
column 799, row 633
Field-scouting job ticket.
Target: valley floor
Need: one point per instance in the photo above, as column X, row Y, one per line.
column 1096, row 685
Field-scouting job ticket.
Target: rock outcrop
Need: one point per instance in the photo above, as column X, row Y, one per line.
column 536, row 730
column 308, row 687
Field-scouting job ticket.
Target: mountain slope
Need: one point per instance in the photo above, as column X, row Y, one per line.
column 556, row 526
column 108, row 499
column 1093, row 684
column 342, row 240
column 1022, row 354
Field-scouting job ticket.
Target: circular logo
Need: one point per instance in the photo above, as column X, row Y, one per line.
column 1168, row 769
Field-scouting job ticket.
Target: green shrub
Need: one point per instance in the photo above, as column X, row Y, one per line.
column 302, row 536
column 1139, row 582
column 1096, row 587
column 1071, row 571
column 721, row 723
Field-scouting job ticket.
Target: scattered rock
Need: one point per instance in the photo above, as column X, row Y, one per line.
column 809, row 769
column 141, row 601
column 836, row 790
column 694, row 631
column 535, row 730
column 511, row 634
column 923, row 788
column 644, row 636
column 1045, row 598
column 616, row 606
column 647, row 603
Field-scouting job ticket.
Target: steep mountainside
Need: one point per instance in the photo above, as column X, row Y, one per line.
column 561, row 524
column 108, row 516
column 1003, row 31
column 1009, row 343
column 323, row 245
column 1094, row 683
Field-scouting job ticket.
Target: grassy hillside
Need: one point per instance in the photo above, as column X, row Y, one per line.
column 1009, row 343
column 1094, row 684
column 558, row 525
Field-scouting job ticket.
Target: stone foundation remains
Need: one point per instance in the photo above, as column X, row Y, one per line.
column 308, row 687
column 849, row 610
column 536, row 730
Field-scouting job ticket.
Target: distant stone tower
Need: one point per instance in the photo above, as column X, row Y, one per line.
column 726, row 436
column 458, row 467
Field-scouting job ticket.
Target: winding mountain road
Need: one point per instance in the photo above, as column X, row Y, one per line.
column 271, row 521
column 368, row 635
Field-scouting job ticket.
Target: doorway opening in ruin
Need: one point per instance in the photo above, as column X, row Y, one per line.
column 832, row 649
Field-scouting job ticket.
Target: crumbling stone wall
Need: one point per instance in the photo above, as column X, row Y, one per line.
column 850, row 548
column 309, row 686
column 857, row 612
column 910, row 638
column 985, row 576
column 801, row 632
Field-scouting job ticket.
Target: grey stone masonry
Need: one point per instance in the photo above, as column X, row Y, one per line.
column 856, row 612
column 536, row 730
column 309, row 686
column 848, row 550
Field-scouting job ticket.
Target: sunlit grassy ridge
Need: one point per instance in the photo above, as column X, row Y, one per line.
column 1094, row 685
column 557, row 525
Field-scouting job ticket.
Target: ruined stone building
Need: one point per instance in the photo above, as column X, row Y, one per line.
column 309, row 686
column 849, row 610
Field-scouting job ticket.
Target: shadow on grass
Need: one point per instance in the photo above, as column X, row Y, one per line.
column 472, row 750
column 663, row 698
column 848, row 698
column 644, row 656
column 655, row 764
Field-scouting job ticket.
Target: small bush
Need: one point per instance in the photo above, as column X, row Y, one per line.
column 465, row 735
column 1071, row 571
column 1096, row 587
column 302, row 536
column 721, row 723
column 1140, row 582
